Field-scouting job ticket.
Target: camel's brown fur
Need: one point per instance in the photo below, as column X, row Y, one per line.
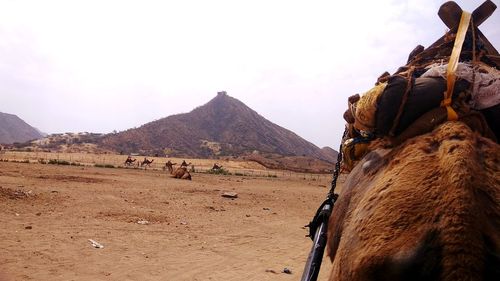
column 181, row 173
column 426, row 210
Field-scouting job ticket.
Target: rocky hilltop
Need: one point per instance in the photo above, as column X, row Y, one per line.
column 223, row 127
column 14, row 129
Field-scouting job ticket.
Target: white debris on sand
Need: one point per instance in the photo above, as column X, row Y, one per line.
column 96, row 244
column 230, row 195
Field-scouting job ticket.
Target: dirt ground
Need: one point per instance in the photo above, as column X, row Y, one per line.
column 188, row 231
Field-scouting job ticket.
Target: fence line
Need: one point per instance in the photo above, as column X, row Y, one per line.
column 117, row 161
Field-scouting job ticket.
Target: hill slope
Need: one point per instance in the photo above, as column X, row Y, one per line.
column 14, row 129
column 223, row 126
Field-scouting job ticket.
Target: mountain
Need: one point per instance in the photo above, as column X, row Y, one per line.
column 329, row 153
column 223, row 127
column 14, row 129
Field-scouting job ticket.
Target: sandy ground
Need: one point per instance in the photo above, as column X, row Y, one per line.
column 49, row 212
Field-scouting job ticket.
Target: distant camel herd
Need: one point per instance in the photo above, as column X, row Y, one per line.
column 144, row 163
column 178, row 173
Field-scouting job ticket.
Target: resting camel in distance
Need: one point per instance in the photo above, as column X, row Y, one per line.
column 129, row 161
column 170, row 166
column 428, row 209
column 216, row 167
column 181, row 173
column 147, row 162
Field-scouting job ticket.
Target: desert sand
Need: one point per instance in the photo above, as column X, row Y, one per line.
column 152, row 227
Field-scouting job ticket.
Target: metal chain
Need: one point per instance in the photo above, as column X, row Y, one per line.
column 319, row 224
column 336, row 171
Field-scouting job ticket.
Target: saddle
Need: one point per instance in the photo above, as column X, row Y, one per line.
column 411, row 102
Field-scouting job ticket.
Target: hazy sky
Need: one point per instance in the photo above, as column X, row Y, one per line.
column 99, row 66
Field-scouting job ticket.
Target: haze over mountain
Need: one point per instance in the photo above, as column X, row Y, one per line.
column 223, row 127
column 14, row 129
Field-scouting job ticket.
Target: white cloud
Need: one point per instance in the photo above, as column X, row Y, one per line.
column 106, row 65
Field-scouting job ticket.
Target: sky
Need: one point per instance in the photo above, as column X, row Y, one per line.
column 99, row 66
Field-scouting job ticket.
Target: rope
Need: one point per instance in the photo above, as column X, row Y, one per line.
column 403, row 102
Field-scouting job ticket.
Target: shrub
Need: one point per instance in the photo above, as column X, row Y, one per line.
column 220, row 171
column 58, row 162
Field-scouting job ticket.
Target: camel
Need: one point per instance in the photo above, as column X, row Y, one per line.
column 170, row 166
column 216, row 167
column 129, row 161
column 181, row 173
column 428, row 209
column 147, row 162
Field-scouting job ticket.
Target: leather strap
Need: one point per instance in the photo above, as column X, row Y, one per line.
column 453, row 63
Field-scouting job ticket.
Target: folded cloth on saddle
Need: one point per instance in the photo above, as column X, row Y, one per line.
column 352, row 151
column 348, row 114
column 377, row 110
column 366, row 108
column 486, row 89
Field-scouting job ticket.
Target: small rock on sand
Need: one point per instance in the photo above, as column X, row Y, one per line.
column 230, row 195
column 287, row 271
